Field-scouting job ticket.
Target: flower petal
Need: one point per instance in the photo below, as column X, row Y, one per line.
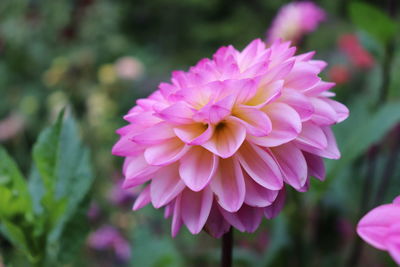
column 246, row 219
column 176, row 217
column 194, row 134
column 228, row 184
column 273, row 210
column 286, row 125
column 165, row 153
column 265, row 94
column 143, row 199
column 197, row 168
column 324, row 114
column 165, row 186
column 257, row 195
column 195, row 208
column 299, row 102
column 228, row 137
column 137, row 171
column 331, row 151
column 292, row 164
column 312, row 135
column 257, row 123
column 260, row 166
column 315, row 165
column 374, row 226
column 155, row 134
column 178, row 113
column 216, row 225
column 342, row 112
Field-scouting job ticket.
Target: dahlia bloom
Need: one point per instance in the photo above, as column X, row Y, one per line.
column 218, row 144
column 295, row 20
column 381, row 228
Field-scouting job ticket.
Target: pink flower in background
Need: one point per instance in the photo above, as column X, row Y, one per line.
column 381, row 228
column 218, row 144
column 339, row 74
column 352, row 47
column 129, row 68
column 295, row 20
column 108, row 238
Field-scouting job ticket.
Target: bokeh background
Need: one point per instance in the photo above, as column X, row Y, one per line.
column 96, row 57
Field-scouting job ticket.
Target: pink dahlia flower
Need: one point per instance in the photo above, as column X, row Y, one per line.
column 381, row 228
column 217, row 145
column 294, row 20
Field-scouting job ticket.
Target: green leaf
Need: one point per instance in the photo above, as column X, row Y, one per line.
column 45, row 153
column 74, row 234
column 14, row 196
column 363, row 130
column 15, row 235
column 373, row 21
column 60, row 180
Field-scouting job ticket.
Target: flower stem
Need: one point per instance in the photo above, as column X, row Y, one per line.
column 227, row 246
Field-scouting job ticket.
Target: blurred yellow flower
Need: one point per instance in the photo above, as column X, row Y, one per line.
column 106, row 74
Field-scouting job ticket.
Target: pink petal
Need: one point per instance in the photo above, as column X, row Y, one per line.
column 143, row 199
column 228, row 185
column 228, row 137
column 260, row 166
column 278, row 72
column 319, row 88
column 342, row 112
column 176, row 217
column 302, row 76
column 273, row 210
column 292, row 163
column 195, row 208
column 312, row 135
column 137, row 171
column 197, row 168
column 125, row 147
column 194, row 134
column 324, row 114
column 299, row 102
column 396, row 200
column 165, row 186
column 286, row 125
column 374, row 226
column 155, row 134
column 178, row 113
column 257, row 195
column 315, row 165
column 265, row 94
column 257, row 123
column 143, row 118
column 393, row 242
column 165, row 153
column 246, row 219
column 216, row 225
column 331, row 151
column 247, row 56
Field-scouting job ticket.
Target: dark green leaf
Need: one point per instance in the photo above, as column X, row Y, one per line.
column 373, row 21
column 14, row 197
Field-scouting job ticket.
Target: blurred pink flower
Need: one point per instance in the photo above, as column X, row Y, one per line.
column 339, row 74
column 352, row 47
column 381, row 228
column 108, row 238
column 217, row 145
column 129, row 68
column 295, row 20
column 119, row 196
column 11, row 126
